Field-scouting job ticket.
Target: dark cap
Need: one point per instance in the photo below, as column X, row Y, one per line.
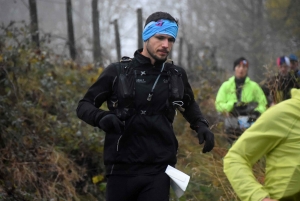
column 239, row 61
column 283, row 60
column 293, row 57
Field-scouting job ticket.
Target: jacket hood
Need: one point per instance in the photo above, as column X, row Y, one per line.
column 295, row 93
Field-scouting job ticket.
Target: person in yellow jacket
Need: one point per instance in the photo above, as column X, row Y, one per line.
column 240, row 96
column 275, row 135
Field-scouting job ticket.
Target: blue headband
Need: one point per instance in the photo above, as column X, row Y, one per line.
column 160, row 27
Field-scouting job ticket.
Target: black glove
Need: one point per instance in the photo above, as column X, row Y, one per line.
column 111, row 123
column 204, row 134
column 253, row 116
column 242, row 108
column 239, row 104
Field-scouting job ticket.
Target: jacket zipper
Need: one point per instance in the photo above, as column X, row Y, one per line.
column 112, row 168
column 118, row 142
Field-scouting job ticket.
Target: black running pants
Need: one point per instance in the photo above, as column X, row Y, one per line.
column 138, row 188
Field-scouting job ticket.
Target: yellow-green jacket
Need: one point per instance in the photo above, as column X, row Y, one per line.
column 276, row 134
column 251, row 92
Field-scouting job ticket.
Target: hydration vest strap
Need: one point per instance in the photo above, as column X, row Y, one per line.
column 123, row 68
column 126, row 113
column 142, row 73
column 150, row 112
column 124, row 65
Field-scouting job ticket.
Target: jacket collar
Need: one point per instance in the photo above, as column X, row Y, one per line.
column 233, row 77
column 145, row 60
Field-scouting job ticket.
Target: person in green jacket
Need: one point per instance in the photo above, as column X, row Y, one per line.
column 240, row 97
column 275, row 135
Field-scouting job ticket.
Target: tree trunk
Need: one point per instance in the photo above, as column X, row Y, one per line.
column 190, row 56
column 117, row 36
column 71, row 38
column 96, row 34
column 34, row 28
column 257, row 40
column 140, row 27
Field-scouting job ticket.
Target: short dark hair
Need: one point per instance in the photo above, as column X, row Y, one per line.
column 160, row 15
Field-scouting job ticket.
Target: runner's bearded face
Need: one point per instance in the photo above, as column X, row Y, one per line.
column 159, row 46
column 159, row 38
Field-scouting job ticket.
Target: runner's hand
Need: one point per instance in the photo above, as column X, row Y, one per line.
column 204, row 134
column 111, row 123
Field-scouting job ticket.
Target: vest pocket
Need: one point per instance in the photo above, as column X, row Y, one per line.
column 177, row 87
column 126, row 86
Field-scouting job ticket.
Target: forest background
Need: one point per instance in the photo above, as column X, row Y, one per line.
column 51, row 51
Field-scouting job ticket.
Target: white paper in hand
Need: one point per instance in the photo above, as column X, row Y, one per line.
column 179, row 180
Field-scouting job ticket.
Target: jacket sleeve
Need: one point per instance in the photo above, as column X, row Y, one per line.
column 258, row 140
column 192, row 112
column 222, row 103
column 88, row 107
column 261, row 99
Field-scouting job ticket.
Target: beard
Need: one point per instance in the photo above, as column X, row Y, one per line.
column 155, row 57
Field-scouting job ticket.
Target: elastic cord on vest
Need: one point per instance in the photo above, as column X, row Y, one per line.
column 178, row 104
